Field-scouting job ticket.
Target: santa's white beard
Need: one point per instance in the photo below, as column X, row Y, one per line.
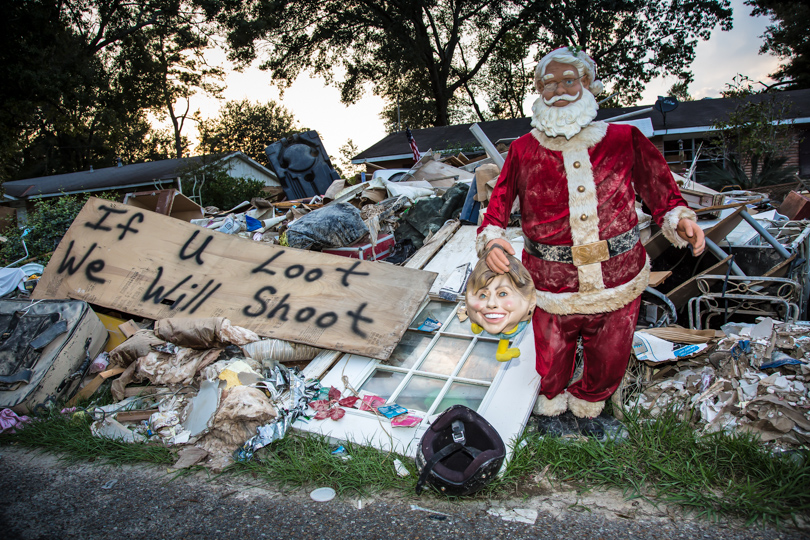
column 568, row 120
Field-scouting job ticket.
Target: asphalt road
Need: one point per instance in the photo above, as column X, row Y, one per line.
column 42, row 497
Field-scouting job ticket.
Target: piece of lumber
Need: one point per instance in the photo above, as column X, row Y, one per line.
column 149, row 265
column 129, row 328
column 135, row 416
column 657, row 278
column 94, row 385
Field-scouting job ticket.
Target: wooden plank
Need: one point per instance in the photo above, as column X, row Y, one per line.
column 681, row 294
column 129, row 328
column 135, row 416
column 153, row 266
column 728, row 224
column 94, row 385
column 657, row 278
column 427, row 251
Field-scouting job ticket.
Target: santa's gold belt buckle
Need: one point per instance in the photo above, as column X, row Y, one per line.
column 594, row 252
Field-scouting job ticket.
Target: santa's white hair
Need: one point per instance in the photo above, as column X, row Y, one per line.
column 568, row 120
column 566, row 55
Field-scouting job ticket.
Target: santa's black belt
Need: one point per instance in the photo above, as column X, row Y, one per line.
column 587, row 253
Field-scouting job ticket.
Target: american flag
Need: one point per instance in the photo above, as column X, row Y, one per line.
column 412, row 142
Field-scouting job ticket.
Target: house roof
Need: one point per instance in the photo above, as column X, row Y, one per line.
column 688, row 117
column 127, row 176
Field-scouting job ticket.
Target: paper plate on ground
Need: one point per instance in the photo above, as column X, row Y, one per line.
column 323, row 494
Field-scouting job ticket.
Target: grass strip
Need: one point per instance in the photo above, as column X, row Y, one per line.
column 301, row 460
column 69, row 434
column 662, row 459
column 665, row 460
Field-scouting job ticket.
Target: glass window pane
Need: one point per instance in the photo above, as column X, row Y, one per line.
column 420, row 393
column 409, row 349
column 444, row 356
column 458, row 327
column 470, row 395
column 383, row 383
column 435, row 310
column 481, row 363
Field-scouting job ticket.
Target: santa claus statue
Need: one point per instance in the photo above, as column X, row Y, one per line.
column 577, row 181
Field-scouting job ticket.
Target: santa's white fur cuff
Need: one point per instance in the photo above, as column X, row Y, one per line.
column 490, row 232
column 669, row 225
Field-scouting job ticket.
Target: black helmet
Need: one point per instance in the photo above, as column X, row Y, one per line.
column 460, row 453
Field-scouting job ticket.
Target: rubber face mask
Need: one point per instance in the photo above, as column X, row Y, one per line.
column 498, row 307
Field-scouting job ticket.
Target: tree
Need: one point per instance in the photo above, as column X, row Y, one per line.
column 79, row 77
column 754, row 138
column 247, row 127
column 447, row 45
column 787, row 39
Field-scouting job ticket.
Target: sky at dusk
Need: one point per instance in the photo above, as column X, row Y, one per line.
column 318, row 107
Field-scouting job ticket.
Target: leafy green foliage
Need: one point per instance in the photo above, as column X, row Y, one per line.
column 786, row 38
column 436, row 58
column 47, row 224
column 754, row 137
column 81, row 75
column 225, row 192
column 247, row 127
column 767, row 171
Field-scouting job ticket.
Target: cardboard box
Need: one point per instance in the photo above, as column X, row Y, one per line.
column 365, row 251
column 168, row 202
column 795, row 206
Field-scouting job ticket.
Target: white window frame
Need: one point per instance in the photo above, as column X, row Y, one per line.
column 506, row 405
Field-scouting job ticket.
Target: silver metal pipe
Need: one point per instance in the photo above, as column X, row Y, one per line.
column 489, row 148
column 717, row 250
column 765, row 234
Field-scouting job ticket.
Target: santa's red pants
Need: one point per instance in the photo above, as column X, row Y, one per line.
column 607, row 339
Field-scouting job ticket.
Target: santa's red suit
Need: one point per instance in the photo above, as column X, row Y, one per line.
column 579, row 192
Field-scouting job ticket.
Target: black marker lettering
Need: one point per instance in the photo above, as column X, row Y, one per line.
column 283, row 308
column 313, row 275
column 349, row 272
column 204, row 298
column 97, row 226
column 358, row 316
column 262, row 304
column 128, row 227
column 293, row 271
column 67, row 261
column 92, row 268
column 265, row 263
column 157, row 295
column 199, row 251
column 304, row 314
column 326, row 320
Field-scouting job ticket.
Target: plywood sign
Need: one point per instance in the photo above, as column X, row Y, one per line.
column 147, row 264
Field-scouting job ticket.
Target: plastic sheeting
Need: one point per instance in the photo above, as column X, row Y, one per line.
column 268, row 350
column 336, row 225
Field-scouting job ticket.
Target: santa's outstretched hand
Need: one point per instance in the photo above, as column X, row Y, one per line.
column 692, row 233
column 496, row 260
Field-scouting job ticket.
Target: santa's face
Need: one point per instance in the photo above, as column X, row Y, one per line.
column 498, row 307
column 562, row 84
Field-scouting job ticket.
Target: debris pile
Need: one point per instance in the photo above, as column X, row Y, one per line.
column 754, row 378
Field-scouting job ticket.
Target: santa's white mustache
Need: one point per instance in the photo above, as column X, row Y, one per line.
column 564, row 97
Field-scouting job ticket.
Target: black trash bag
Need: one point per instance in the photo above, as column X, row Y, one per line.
column 333, row 226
